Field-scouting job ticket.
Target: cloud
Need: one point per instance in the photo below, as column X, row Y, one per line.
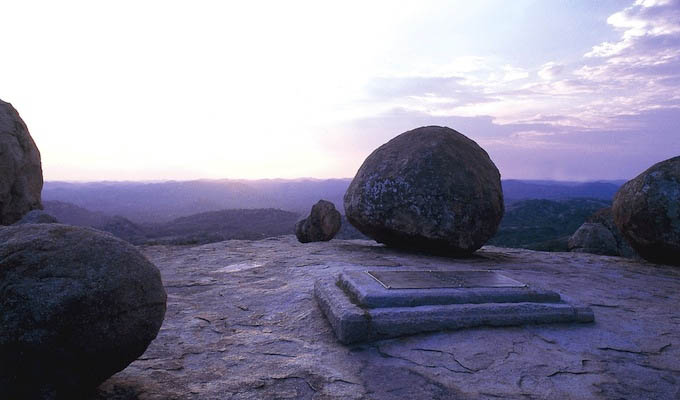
column 530, row 150
column 464, row 64
column 609, row 114
column 448, row 87
column 514, row 73
column 643, row 21
column 641, row 71
column 523, row 134
column 550, row 70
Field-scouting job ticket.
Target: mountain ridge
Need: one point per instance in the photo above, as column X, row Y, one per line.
column 158, row 202
column 539, row 215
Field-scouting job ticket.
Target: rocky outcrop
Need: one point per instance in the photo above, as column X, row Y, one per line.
column 600, row 235
column 606, row 218
column 593, row 238
column 242, row 323
column 20, row 169
column 430, row 189
column 647, row 212
column 321, row 225
column 76, row 306
column 36, row 217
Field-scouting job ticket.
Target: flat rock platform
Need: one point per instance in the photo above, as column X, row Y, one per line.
column 242, row 323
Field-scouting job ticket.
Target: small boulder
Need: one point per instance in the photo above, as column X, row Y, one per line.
column 430, row 189
column 36, row 217
column 76, row 306
column 321, row 225
column 605, row 217
column 21, row 177
column 593, row 238
column 647, row 212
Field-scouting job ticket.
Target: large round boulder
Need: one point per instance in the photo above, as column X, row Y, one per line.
column 429, row 189
column 76, row 306
column 321, row 225
column 21, row 177
column 647, row 212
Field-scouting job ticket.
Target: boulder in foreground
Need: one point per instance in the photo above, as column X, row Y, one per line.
column 647, row 212
column 430, row 189
column 322, row 224
column 76, row 306
column 21, row 177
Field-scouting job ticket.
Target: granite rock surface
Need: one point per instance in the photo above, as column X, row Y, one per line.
column 431, row 189
column 21, row 177
column 242, row 323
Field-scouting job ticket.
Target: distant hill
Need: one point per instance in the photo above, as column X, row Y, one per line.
column 514, row 190
column 73, row 215
column 207, row 227
column 154, row 202
column 544, row 224
column 216, row 226
column 158, row 202
column 539, row 214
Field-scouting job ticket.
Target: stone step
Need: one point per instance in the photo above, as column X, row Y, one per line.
column 360, row 309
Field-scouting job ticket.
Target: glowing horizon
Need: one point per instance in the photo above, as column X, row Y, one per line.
column 577, row 91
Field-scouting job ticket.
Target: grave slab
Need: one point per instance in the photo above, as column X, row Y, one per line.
column 370, row 305
column 369, row 292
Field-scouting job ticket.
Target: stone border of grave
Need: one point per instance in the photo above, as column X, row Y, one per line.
column 360, row 309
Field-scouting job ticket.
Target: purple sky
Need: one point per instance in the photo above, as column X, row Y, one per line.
column 577, row 90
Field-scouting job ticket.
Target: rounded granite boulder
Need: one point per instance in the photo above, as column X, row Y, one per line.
column 322, row 224
column 430, row 189
column 21, row 177
column 593, row 238
column 76, row 306
column 647, row 212
column 605, row 217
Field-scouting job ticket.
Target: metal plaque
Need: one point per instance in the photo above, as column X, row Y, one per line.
column 429, row 279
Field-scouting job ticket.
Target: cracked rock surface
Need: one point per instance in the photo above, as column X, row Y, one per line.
column 242, row 323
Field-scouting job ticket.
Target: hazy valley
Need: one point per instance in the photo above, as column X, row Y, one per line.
column 539, row 214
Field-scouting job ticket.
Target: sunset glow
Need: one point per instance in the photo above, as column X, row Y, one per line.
column 131, row 90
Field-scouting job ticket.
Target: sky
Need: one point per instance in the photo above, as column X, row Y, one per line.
column 159, row 90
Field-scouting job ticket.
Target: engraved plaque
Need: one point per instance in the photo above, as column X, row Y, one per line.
column 429, row 279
